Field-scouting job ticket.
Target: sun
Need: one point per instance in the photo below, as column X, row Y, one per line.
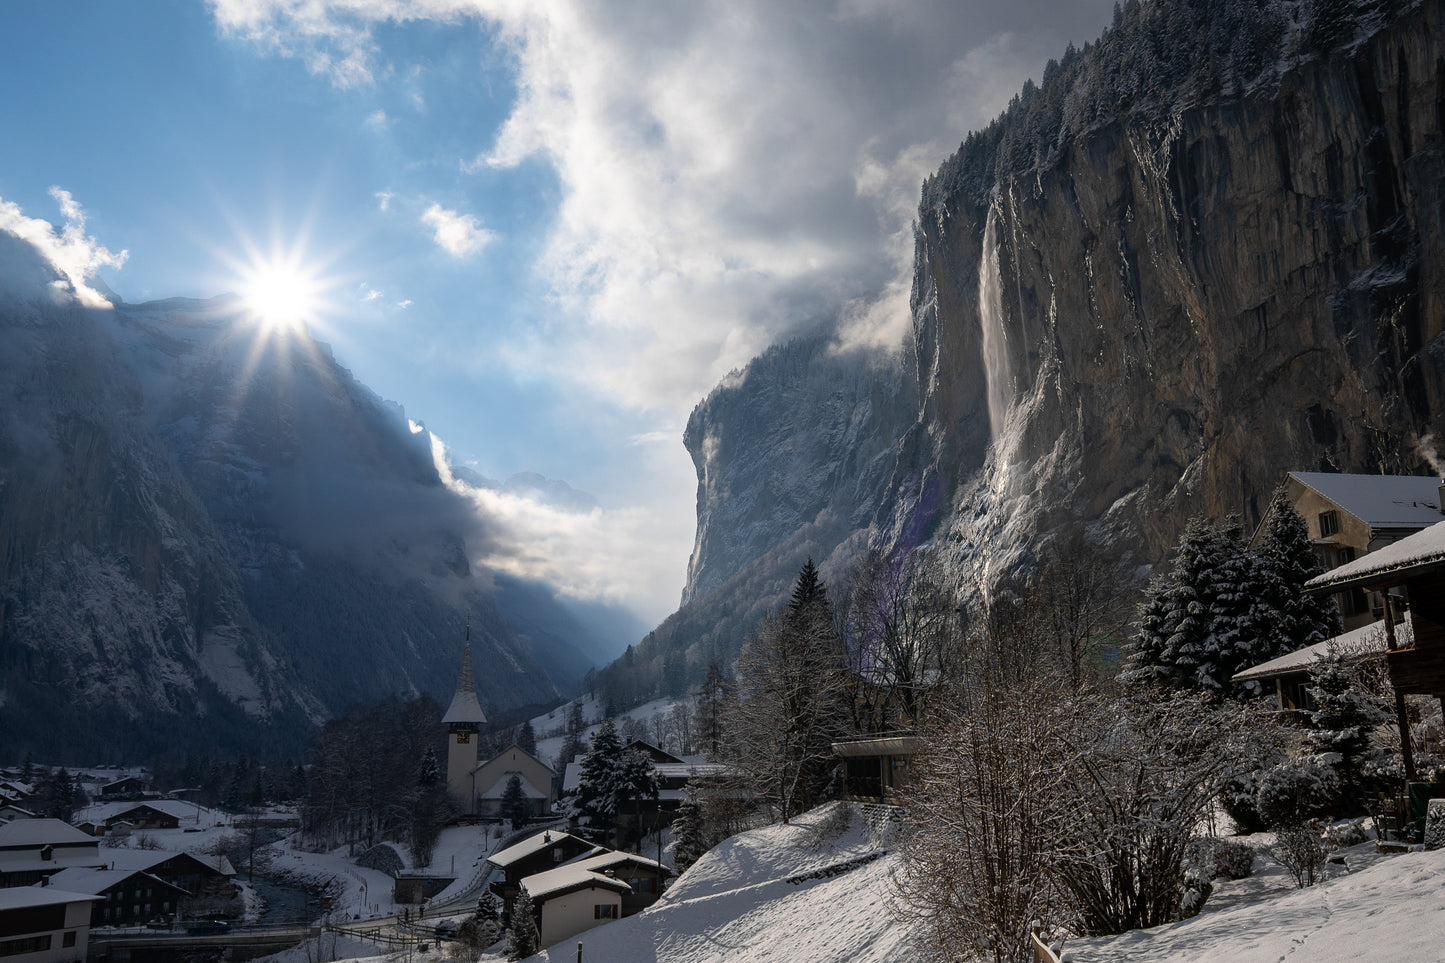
column 281, row 295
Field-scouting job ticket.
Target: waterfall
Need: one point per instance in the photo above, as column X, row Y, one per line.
column 990, row 315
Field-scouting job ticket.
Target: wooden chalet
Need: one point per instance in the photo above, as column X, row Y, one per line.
column 1410, row 575
column 1288, row 676
column 536, row 854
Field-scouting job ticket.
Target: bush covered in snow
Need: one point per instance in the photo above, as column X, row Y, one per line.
column 1232, row 860
column 1347, row 834
column 1293, row 793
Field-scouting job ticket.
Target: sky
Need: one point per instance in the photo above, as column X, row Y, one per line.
column 546, row 227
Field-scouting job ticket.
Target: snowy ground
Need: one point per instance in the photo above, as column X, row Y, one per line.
column 1384, row 909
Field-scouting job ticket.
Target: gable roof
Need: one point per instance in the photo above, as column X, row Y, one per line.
column 532, row 845
column 516, row 748
column 145, row 859
column 1380, row 501
column 650, row 752
column 97, row 881
column 27, row 897
column 566, row 879
column 1414, row 555
column 105, row 812
column 34, row 833
column 611, row 859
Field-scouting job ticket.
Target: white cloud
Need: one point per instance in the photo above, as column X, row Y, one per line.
column 608, row 555
column 371, row 295
column 404, row 304
column 383, row 200
column 458, row 234
column 377, row 120
column 730, row 170
column 70, row 251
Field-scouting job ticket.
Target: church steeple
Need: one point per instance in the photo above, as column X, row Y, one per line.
column 463, row 719
column 465, row 711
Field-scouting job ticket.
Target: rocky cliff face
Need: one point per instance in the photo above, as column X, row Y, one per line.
column 1208, row 249
column 212, row 538
column 1184, row 304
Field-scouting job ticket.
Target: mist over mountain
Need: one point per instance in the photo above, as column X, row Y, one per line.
column 1202, row 251
column 214, row 537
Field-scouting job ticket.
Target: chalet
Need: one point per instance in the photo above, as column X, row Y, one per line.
column 44, row 924
column 535, row 854
column 209, row 879
column 1350, row 516
column 9, row 811
column 125, row 897
column 33, row 849
column 644, row 877
column 108, row 818
column 1409, row 573
column 1288, row 676
column 570, row 899
column 130, row 787
column 536, row 777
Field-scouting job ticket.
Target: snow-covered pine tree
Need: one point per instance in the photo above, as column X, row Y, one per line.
column 688, row 842
column 1345, row 712
column 428, row 772
column 1288, row 561
column 522, row 935
column 595, row 801
column 1204, row 620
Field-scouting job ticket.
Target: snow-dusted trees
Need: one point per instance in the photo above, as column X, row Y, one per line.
column 713, row 697
column 1080, row 594
column 899, row 631
column 1223, row 607
column 792, row 701
column 522, row 935
column 610, row 777
column 1036, row 795
column 1345, row 711
column 513, row 806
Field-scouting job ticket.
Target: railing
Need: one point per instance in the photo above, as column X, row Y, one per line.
column 1042, row 952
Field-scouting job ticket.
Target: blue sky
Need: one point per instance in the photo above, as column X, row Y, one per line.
column 547, row 229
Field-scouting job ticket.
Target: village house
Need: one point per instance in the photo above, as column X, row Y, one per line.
column 122, row 817
column 645, row 878
column 44, row 924
column 1288, row 677
column 128, row 787
column 536, row 854
column 536, row 778
column 1410, row 574
column 1350, row 516
column 125, row 897
column 33, row 849
column 875, row 769
column 570, row 899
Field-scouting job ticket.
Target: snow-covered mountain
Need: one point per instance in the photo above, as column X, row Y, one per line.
column 213, row 535
column 1207, row 249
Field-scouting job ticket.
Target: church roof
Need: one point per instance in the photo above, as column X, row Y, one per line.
column 465, row 708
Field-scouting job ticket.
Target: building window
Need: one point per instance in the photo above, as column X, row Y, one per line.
column 557, row 854
column 1329, row 523
column 643, row 884
column 68, row 939
column 604, row 911
column 30, row 944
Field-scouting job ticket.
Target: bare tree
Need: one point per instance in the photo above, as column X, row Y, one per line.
column 1084, row 594
column 899, row 628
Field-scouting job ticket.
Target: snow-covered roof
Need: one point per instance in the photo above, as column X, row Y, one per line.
column 34, row 833
column 26, row 897
column 1423, row 550
column 608, row 860
column 104, row 812
column 568, row 878
column 1367, row 639
column 97, row 881
column 142, row 859
column 686, row 770
column 530, row 845
column 1380, row 501
column 465, row 708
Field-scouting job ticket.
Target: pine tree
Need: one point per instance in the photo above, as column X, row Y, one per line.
column 514, row 803
column 711, row 699
column 527, row 737
column 572, row 743
column 1345, row 712
column 1288, row 562
column 522, row 935
column 428, row 772
column 688, row 841
column 595, row 800
column 1203, row 621
column 62, row 795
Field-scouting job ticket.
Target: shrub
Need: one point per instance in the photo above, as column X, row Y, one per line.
column 1238, row 800
column 1291, row 794
column 1301, row 849
column 1232, row 860
column 1346, row 835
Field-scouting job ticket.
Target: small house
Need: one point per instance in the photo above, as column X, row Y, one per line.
column 33, row 849
column 535, row 854
column 1288, row 676
column 45, row 924
column 874, row 770
column 644, row 877
column 125, row 897
column 570, row 899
